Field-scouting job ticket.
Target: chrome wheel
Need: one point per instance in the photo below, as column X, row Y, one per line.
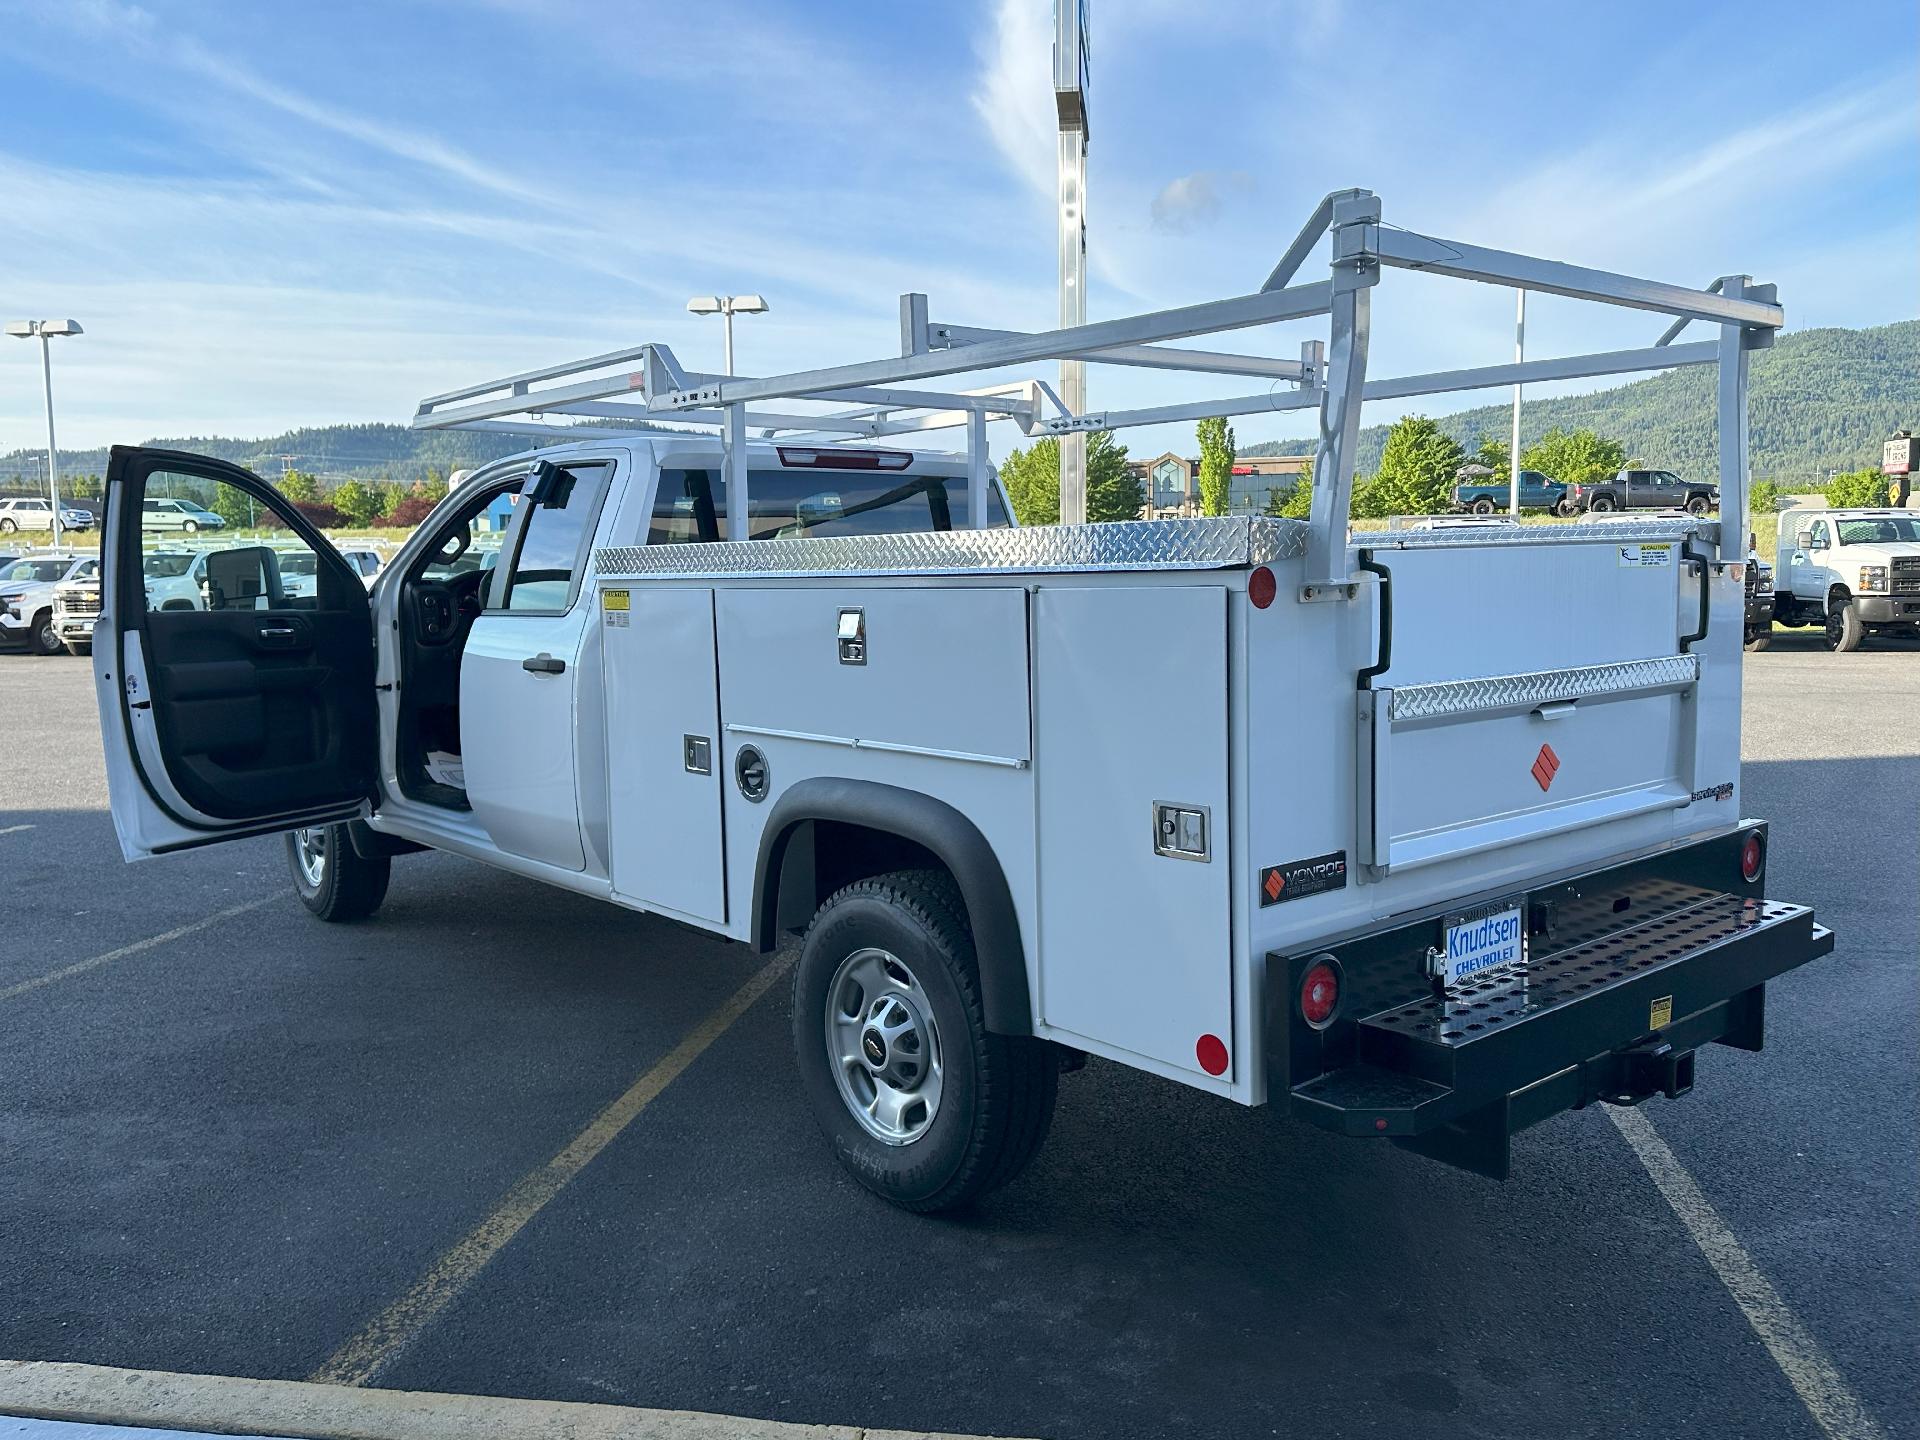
column 883, row 1046
column 310, row 854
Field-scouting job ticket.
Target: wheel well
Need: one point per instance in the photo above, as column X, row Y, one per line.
column 824, row 834
column 1837, row 596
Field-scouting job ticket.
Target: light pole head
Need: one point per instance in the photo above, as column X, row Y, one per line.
column 26, row 329
column 704, row 305
column 749, row 305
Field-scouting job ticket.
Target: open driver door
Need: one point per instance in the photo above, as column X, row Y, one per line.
column 234, row 666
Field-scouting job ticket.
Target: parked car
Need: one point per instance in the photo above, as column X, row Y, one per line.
column 1855, row 571
column 183, row 515
column 1538, row 491
column 76, row 606
column 35, row 512
column 1759, row 601
column 26, row 598
column 1643, row 490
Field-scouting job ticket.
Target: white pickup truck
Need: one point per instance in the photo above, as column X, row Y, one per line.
column 1855, row 572
column 1234, row 801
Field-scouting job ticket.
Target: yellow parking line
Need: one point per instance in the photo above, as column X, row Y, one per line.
column 234, row 1405
column 363, row 1357
column 80, row 967
column 1820, row 1386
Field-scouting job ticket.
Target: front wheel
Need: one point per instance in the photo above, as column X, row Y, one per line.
column 46, row 639
column 1759, row 640
column 920, row 1102
column 1845, row 629
column 8, row 526
column 333, row 879
column 192, row 527
column 79, row 647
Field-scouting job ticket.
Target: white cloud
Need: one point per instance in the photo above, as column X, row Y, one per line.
column 1014, row 92
column 1195, row 200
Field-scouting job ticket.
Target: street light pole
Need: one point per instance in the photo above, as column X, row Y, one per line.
column 726, row 307
column 1513, row 440
column 44, row 331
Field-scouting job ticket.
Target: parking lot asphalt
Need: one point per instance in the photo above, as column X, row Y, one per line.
column 230, row 1151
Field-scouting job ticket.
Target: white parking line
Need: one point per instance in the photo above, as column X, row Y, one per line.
column 80, row 967
column 1821, row 1388
column 230, row 1404
column 14, row 829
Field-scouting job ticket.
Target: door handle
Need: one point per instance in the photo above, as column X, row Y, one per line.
column 278, row 637
column 544, row 664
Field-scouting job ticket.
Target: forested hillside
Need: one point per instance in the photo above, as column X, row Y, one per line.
column 1820, row 400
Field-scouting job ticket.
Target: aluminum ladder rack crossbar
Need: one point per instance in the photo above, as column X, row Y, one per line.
column 646, row 385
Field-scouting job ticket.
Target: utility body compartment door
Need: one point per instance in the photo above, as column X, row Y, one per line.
column 235, row 678
column 663, row 750
column 1130, row 694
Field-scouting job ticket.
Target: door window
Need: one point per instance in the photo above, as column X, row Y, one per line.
column 239, row 556
column 691, row 505
column 551, row 556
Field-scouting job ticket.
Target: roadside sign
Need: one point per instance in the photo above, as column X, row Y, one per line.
column 1896, row 456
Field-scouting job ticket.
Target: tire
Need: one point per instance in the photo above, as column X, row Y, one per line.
column 45, row 639
column 1698, row 505
column 9, row 526
column 1759, row 641
column 76, row 647
column 1601, row 504
column 888, row 967
column 332, row 879
column 1483, row 506
column 192, row 527
column 1845, row 629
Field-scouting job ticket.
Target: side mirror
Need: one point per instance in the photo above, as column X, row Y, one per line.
column 1803, row 539
column 547, row 485
column 240, row 579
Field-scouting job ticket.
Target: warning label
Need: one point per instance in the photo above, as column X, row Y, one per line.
column 616, row 605
column 1645, row 557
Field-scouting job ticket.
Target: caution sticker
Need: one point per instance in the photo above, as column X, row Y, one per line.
column 1645, row 557
column 616, row 605
column 1660, row 1013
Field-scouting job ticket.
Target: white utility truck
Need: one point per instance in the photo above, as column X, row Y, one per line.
column 1855, row 572
column 1236, row 801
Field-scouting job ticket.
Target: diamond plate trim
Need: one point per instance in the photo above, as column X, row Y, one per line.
column 1204, row 543
column 1449, row 698
column 1623, row 532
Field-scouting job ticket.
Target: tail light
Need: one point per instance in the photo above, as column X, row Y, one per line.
column 793, row 457
column 1320, row 992
column 1753, row 856
column 1262, row 587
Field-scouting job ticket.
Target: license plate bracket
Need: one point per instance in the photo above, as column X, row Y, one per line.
column 1478, row 943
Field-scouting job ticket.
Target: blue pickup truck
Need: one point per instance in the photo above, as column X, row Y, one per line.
column 1537, row 492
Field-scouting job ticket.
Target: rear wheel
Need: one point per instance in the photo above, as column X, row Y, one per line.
column 1698, row 505
column 1483, row 506
column 1845, row 630
column 1602, row 503
column 46, row 640
column 333, row 879
column 920, row 1102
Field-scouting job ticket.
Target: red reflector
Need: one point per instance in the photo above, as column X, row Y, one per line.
column 793, row 457
column 1211, row 1052
column 1319, row 993
column 1262, row 587
column 1753, row 855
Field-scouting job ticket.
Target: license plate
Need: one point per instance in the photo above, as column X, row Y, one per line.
column 1479, row 943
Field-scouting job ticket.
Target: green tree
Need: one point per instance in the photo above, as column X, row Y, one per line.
column 1857, row 488
column 1574, row 457
column 1416, row 470
column 1495, row 455
column 235, row 506
column 1216, row 465
column 298, row 485
column 81, row 487
column 433, row 487
column 1032, row 481
column 1297, row 503
column 358, row 501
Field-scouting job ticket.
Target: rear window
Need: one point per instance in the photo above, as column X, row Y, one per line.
column 691, row 505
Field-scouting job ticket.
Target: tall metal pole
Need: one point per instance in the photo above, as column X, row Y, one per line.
column 1070, row 103
column 1513, row 440
column 53, row 453
column 726, row 315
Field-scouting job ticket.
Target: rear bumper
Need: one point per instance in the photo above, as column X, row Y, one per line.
column 1629, row 972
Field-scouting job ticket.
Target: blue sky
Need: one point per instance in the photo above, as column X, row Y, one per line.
column 273, row 214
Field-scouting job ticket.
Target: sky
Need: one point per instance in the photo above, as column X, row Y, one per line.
column 269, row 215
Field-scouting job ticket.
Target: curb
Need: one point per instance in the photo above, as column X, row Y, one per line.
column 301, row 1410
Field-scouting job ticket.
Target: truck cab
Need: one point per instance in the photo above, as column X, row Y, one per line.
column 1854, row 572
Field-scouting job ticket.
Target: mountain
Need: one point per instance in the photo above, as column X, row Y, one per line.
column 1819, row 400
column 333, row 452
